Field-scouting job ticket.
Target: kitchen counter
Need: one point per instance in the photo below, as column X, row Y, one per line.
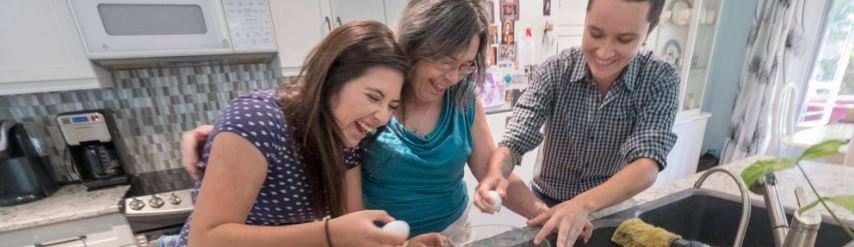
column 69, row 203
column 502, row 108
column 829, row 180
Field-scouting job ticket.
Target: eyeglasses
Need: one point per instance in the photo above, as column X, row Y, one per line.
column 448, row 65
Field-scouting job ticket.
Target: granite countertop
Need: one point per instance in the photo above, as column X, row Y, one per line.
column 506, row 107
column 829, row 180
column 70, row 202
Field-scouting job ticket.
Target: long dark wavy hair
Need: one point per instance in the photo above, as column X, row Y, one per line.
column 345, row 54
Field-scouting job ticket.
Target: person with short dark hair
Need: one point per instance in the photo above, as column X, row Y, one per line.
column 608, row 109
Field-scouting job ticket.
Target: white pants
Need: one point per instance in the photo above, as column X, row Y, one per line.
column 460, row 231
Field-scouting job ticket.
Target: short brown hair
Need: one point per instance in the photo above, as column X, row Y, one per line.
column 654, row 15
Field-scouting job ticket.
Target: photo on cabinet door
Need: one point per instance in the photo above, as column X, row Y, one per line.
column 507, row 52
column 493, row 34
column 508, row 32
column 492, row 55
column 547, row 7
column 509, row 10
column 490, row 5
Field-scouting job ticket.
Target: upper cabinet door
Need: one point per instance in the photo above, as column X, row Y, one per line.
column 42, row 50
column 299, row 26
column 350, row 10
column 393, row 11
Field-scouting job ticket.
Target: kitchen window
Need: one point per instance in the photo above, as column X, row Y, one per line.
column 830, row 90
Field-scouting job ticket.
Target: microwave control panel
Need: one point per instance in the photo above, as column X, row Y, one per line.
column 250, row 25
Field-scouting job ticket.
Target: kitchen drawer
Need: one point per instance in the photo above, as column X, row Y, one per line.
column 107, row 230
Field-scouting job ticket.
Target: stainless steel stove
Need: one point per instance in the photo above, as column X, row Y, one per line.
column 158, row 203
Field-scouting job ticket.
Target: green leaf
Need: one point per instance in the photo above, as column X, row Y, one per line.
column 764, row 167
column 846, row 202
column 826, row 148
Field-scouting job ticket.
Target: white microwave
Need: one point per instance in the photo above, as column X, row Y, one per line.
column 129, row 29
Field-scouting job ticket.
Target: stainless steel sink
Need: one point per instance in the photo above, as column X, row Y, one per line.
column 710, row 217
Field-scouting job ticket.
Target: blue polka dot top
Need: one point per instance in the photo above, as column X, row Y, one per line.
column 285, row 196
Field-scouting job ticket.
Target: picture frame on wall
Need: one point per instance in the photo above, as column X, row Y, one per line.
column 507, row 52
column 492, row 55
column 547, row 7
column 493, row 34
column 509, row 10
column 490, row 6
column 508, row 32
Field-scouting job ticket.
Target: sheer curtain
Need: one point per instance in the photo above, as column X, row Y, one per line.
column 776, row 25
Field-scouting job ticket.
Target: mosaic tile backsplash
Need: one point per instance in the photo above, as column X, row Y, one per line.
column 152, row 107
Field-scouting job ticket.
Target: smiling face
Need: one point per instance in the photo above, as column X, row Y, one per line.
column 434, row 76
column 614, row 31
column 366, row 103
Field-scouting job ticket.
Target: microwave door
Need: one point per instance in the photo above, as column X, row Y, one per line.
column 114, row 29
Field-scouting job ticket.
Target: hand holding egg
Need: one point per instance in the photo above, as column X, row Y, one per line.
column 496, row 200
column 397, row 226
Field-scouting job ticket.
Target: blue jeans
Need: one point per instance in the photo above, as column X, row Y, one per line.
column 167, row 241
column 551, row 202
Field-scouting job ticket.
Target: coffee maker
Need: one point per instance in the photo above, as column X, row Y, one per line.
column 25, row 173
column 95, row 147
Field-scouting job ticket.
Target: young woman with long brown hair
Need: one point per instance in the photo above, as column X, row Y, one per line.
column 279, row 161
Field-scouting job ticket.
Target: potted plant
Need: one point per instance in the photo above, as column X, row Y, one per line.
column 764, row 167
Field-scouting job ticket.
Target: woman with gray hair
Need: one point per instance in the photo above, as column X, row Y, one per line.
column 414, row 169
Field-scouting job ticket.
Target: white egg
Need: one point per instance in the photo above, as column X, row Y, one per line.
column 496, row 200
column 397, row 226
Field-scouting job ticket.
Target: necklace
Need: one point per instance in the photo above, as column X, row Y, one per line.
column 418, row 130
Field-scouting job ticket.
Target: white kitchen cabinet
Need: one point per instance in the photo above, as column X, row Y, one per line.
column 690, row 128
column 393, row 11
column 102, row 231
column 301, row 24
column 41, row 50
column 350, row 10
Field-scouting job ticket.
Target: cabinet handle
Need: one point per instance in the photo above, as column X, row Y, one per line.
column 339, row 20
column 328, row 23
column 58, row 242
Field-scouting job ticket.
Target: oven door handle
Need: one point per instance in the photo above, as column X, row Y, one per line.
column 63, row 241
column 132, row 214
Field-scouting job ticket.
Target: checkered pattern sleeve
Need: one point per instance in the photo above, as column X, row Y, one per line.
column 523, row 131
column 652, row 136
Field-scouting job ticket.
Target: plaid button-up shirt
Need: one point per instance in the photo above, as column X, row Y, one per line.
column 589, row 138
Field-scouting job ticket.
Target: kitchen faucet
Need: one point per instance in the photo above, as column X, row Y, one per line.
column 804, row 227
column 745, row 201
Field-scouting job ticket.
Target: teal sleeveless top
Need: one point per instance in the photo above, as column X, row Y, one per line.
column 420, row 179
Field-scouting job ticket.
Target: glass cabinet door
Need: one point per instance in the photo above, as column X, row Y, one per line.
column 706, row 26
column 685, row 38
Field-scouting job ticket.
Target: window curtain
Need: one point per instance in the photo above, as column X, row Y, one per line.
column 776, row 28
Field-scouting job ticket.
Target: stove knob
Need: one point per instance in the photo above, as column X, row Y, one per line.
column 174, row 199
column 155, row 202
column 136, row 204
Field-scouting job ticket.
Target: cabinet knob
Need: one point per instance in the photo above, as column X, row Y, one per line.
column 155, row 202
column 338, row 18
column 136, row 204
column 328, row 23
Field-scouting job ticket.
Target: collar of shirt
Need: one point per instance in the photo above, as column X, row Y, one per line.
column 626, row 78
